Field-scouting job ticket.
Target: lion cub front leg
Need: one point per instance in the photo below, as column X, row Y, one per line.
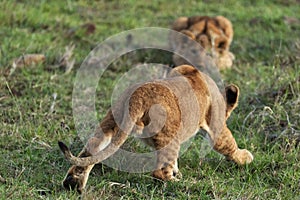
column 226, row 145
column 77, row 176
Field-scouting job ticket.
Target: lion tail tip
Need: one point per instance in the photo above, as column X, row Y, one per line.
column 63, row 147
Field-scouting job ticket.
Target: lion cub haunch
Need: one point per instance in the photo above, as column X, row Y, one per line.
column 213, row 33
column 190, row 101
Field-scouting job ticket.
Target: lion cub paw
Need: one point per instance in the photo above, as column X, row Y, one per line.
column 168, row 172
column 242, row 156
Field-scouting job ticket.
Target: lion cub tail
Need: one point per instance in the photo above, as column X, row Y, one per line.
column 90, row 160
column 110, row 149
column 100, row 148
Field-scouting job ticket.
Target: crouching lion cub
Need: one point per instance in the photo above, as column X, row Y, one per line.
column 190, row 101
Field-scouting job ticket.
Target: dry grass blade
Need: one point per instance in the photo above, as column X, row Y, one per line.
column 2, row 180
column 66, row 60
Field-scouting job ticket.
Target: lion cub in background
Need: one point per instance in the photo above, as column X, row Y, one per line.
column 213, row 33
column 180, row 123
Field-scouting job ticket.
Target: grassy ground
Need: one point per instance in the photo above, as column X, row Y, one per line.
column 267, row 121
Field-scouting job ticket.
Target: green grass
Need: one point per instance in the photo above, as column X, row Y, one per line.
column 267, row 121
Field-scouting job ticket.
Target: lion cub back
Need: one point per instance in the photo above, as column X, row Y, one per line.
column 168, row 108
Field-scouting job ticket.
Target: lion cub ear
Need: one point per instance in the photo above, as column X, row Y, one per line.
column 232, row 96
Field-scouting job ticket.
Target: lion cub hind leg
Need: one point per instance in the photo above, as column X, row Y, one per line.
column 167, row 166
column 77, row 176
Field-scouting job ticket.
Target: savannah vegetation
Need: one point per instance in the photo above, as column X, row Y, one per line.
column 36, row 99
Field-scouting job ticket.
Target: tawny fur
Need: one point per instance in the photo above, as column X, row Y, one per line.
column 213, row 33
column 180, row 122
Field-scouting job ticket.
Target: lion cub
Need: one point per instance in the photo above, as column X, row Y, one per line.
column 190, row 101
column 213, row 33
